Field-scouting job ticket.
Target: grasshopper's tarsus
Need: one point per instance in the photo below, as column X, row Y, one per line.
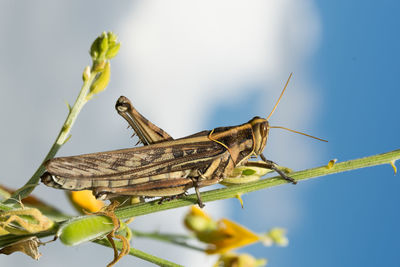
column 169, row 198
column 283, row 175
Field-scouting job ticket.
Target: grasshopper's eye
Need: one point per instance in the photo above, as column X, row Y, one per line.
column 264, row 129
column 123, row 104
column 122, row 107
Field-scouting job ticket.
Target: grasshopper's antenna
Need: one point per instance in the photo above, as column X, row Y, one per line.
column 293, row 131
column 279, row 99
column 290, row 130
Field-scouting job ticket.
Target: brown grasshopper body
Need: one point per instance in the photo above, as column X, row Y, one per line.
column 159, row 168
column 163, row 167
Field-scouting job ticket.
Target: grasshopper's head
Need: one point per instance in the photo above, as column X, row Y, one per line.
column 260, row 128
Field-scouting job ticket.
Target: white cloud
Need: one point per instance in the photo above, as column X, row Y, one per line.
column 180, row 59
column 182, row 55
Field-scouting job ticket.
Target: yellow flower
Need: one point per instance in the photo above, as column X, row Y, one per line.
column 222, row 236
column 239, row 260
column 85, row 200
column 198, row 221
column 230, row 235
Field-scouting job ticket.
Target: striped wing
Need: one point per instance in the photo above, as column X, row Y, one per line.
column 120, row 168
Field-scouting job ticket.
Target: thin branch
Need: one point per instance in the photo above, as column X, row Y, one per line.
column 140, row 254
column 60, row 140
column 176, row 239
column 232, row 191
column 95, row 80
column 224, row 193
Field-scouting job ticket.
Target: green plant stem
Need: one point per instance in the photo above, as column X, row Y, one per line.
column 6, row 240
column 140, row 254
column 229, row 192
column 5, row 207
column 233, row 191
column 179, row 240
column 60, row 140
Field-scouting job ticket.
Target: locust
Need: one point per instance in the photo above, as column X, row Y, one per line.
column 165, row 167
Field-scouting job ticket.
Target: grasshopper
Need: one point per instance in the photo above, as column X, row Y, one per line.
column 163, row 166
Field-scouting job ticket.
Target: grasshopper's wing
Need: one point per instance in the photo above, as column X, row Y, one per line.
column 175, row 159
column 147, row 132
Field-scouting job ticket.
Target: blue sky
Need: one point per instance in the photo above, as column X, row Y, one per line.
column 351, row 218
column 190, row 66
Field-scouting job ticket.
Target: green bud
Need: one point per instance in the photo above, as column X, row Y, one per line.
column 82, row 229
column 113, row 51
column 104, row 47
column 95, row 48
column 86, row 74
column 112, row 38
column 101, row 81
column 199, row 224
column 104, row 43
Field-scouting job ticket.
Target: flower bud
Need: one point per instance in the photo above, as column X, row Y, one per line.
column 104, row 47
column 86, row 74
column 101, row 81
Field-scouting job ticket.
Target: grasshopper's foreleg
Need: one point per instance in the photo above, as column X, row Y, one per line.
column 273, row 166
